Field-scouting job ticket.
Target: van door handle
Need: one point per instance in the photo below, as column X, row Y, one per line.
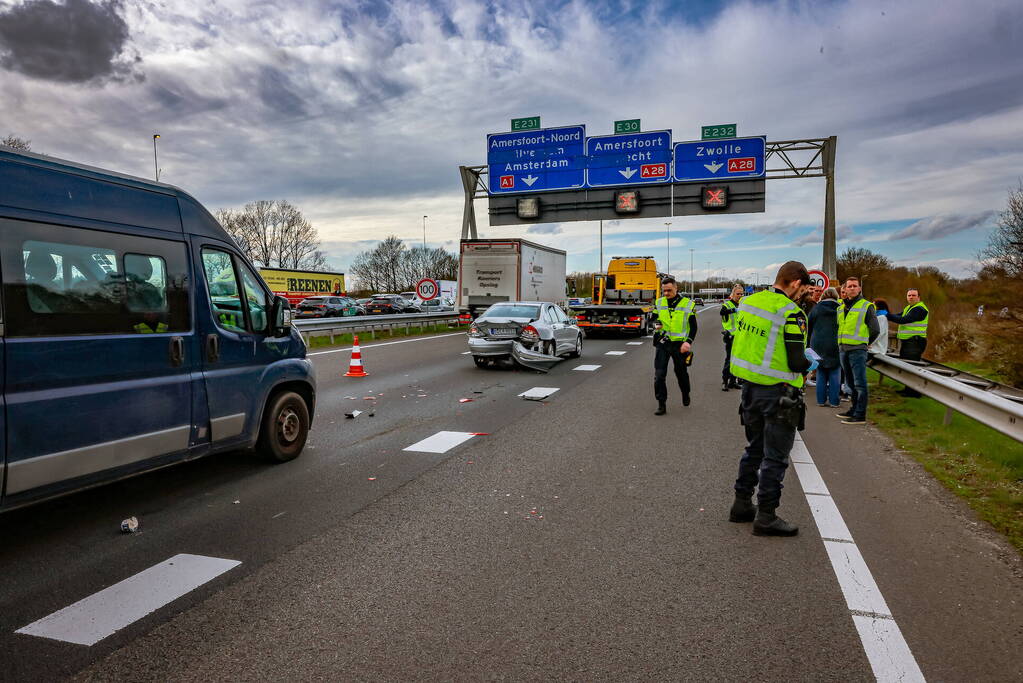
column 177, row 351
column 213, row 347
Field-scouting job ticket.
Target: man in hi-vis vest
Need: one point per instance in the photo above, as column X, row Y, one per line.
column 769, row 353
column 912, row 332
column 857, row 329
column 727, row 312
column 674, row 332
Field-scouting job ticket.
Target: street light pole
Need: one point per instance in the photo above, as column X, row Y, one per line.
column 692, row 284
column 600, row 265
column 667, row 243
column 424, row 233
column 156, row 164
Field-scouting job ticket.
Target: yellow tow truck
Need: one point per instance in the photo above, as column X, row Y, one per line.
column 623, row 298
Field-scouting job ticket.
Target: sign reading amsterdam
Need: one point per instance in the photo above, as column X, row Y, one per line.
column 537, row 160
column 295, row 285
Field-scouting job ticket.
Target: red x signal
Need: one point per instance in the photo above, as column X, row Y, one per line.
column 715, row 197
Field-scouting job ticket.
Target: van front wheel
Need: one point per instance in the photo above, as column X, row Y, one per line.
column 285, row 428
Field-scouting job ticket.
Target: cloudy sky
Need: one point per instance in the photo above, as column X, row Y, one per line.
column 360, row 112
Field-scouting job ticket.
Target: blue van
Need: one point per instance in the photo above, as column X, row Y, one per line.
column 133, row 334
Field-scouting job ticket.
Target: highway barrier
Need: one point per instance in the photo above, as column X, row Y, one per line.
column 329, row 327
column 996, row 405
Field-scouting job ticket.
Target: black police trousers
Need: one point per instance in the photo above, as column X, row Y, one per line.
column 726, row 372
column 768, row 442
column 669, row 351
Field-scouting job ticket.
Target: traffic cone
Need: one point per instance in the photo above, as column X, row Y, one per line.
column 355, row 367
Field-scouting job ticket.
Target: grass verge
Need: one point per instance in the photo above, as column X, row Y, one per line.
column 975, row 462
column 367, row 338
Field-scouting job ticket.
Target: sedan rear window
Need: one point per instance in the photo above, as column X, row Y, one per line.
column 511, row 311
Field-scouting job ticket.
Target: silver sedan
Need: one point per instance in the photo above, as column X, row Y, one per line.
column 536, row 334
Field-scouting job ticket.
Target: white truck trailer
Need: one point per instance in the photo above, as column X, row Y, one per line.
column 493, row 270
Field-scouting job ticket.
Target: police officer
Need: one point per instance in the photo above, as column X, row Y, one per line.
column 728, row 309
column 769, row 352
column 912, row 332
column 674, row 332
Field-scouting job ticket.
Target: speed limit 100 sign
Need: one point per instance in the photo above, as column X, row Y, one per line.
column 818, row 279
column 427, row 289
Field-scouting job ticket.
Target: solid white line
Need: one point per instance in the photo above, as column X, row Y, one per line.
column 441, row 442
column 810, row 478
column 799, row 452
column 615, row 353
column 92, row 619
column 400, row 341
column 634, row 343
column 886, row 649
column 587, row 368
column 538, row 393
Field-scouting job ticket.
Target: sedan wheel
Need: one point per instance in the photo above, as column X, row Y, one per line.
column 578, row 347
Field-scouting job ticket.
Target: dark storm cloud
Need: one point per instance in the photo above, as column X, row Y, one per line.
column 277, row 92
column 74, row 42
column 937, row 227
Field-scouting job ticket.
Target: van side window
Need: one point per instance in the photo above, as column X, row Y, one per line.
column 223, row 289
column 256, row 300
column 60, row 280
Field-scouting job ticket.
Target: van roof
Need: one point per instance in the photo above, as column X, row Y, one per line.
column 139, row 202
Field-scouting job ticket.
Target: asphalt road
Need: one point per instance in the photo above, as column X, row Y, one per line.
column 579, row 538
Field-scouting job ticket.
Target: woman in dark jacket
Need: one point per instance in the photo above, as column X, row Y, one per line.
column 822, row 329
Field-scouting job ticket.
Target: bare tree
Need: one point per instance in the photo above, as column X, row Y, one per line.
column 393, row 267
column 1005, row 243
column 275, row 234
column 17, row 143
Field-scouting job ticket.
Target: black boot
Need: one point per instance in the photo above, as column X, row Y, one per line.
column 661, row 408
column 685, row 399
column 769, row 524
column 724, row 386
column 743, row 509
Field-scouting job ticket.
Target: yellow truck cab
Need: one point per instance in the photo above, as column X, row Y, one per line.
column 623, row 298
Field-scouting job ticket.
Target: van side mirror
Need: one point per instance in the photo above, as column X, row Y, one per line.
column 281, row 317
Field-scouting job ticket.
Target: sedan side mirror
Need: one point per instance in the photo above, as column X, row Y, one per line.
column 281, row 317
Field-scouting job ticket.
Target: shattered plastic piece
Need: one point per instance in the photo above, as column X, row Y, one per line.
column 130, row 525
column 236, row 502
column 480, row 433
column 477, row 392
column 371, row 413
column 371, row 478
column 353, row 414
column 465, row 400
column 369, row 398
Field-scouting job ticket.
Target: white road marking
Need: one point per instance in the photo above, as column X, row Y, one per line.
column 466, row 353
column 587, row 368
column 441, row 442
column 634, row 343
column 614, row 353
column 400, row 341
column 92, row 619
column 538, row 393
column 886, row 649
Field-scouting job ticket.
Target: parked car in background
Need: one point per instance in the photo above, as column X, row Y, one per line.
column 391, row 304
column 437, row 305
column 699, row 301
column 409, row 296
column 539, row 328
column 327, row 307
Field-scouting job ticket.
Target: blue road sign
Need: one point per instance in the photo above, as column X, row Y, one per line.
column 537, row 160
column 629, row 159
column 726, row 159
column 749, row 289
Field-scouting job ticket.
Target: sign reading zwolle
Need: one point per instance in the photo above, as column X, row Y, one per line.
column 537, row 160
column 427, row 289
column 720, row 159
column 629, row 159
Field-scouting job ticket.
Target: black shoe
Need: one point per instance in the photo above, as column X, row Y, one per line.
column 769, row 524
column 724, row 386
column 661, row 409
column 743, row 509
column 846, row 415
column 685, row 399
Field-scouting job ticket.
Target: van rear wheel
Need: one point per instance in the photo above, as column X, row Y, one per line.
column 285, row 428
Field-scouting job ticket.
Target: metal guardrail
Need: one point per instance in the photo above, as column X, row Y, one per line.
column 996, row 405
column 370, row 323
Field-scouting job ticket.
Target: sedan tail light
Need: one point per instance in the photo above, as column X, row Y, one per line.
column 530, row 334
column 474, row 331
column 635, row 319
column 580, row 317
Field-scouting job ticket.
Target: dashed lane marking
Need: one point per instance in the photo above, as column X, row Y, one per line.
column 92, row 619
column 538, row 393
column 634, row 343
column 886, row 649
column 400, row 341
column 441, row 442
column 614, row 353
column 587, row 368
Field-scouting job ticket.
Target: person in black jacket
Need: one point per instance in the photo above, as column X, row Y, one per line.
column 822, row 331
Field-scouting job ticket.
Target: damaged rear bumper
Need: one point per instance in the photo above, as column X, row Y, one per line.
column 533, row 359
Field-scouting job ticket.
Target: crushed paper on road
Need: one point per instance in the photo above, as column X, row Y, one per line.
column 130, row 525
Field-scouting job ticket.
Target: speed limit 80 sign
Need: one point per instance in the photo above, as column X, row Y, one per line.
column 427, row 289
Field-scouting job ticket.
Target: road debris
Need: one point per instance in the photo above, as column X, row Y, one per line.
column 351, row 414
column 130, row 525
column 371, row 478
column 465, row 400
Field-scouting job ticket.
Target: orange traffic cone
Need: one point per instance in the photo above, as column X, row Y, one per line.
column 355, row 367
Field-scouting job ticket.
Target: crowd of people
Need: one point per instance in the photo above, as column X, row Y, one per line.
column 776, row 341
